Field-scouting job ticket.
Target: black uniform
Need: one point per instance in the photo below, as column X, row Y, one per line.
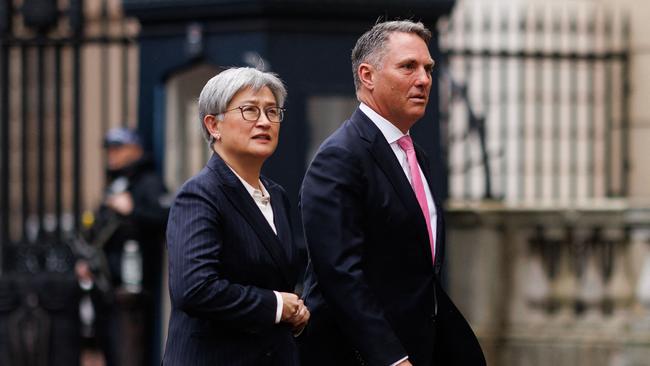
column 145, row 224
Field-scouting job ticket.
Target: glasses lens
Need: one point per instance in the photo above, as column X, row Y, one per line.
column 250, row 112
column 274, row 114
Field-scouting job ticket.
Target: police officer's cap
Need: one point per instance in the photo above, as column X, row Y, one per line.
column 121, row 136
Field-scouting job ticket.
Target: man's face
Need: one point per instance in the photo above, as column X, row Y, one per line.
column 120, row 156
column 403, row 80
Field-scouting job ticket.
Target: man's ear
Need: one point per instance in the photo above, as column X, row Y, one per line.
column 366, row 74
column 211, row 122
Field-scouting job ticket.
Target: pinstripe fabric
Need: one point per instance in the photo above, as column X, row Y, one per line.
column 224, row 263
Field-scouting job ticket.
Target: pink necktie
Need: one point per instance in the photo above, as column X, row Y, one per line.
column 406, row 143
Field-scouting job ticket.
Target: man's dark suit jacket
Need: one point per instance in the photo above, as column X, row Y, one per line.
column 224, row 263
column 371, row 285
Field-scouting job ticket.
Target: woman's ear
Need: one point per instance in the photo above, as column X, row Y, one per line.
column 211, row 123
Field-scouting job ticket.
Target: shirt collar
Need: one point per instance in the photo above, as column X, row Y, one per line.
column 258, row 195
column 390, row 132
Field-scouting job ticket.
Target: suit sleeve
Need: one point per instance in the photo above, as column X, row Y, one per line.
column 197, row 286
column 332, row 204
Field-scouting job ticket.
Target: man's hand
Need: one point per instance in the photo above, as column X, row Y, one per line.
column 82, row 270
column 84, row 274
column 121, row 203
column 405, row 363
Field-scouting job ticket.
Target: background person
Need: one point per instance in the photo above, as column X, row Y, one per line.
column 135, row 207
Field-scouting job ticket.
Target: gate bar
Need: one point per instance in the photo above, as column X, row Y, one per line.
column 4, row 150
column 58, row 144
column 40, row 121
column 24, row 117
column 76, row 133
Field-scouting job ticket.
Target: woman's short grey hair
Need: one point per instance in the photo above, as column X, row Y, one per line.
column 219, row 91
column 371, row 46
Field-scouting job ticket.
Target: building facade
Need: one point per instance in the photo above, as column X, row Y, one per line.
column 546, row 137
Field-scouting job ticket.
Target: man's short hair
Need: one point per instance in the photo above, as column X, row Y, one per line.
column 220, row 90
column 371, row 46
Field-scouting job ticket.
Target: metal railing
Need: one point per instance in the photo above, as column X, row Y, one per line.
column 45, row 54
column 534, row 104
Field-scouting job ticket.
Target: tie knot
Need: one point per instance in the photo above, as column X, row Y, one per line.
column 405, row 142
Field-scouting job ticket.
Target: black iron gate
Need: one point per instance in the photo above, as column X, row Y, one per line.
column 48, row 51
column 537, row 108
column 44, row 50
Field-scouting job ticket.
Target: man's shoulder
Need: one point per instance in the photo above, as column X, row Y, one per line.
column 348, row 136
column 341, row 144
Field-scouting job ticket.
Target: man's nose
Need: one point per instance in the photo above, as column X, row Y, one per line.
column 423, row 77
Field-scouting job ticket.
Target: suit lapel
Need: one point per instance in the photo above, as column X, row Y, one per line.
column 386, row 160
column 244, row 203
column 281, row 220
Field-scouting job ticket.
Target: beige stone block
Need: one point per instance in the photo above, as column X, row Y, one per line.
column 640, row 88
column 475, row 256
column 640, row 169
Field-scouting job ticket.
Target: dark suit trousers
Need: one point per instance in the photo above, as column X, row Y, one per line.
column 454, row 345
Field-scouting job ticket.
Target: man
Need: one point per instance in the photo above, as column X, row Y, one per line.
column 136, row 198
column 373, row 228
column 135, row 207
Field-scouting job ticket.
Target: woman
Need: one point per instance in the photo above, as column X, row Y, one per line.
column 232, row 260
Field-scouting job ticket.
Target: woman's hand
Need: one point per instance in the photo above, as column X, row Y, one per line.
column 300, row 320
column 290, row 305
column 294, row 311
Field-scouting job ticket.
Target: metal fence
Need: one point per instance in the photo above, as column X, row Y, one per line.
column 66, row 70
column 535, row 104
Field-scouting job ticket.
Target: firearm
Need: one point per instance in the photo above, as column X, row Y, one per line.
column 91, row 251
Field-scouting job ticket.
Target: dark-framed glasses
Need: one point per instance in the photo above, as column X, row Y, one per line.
column 252, row 113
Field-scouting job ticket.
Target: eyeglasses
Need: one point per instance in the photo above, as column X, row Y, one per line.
column 252, row 113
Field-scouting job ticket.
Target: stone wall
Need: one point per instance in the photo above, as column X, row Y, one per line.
column 554, row 287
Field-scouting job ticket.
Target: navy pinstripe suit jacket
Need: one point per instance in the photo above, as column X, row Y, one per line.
column 224, row 263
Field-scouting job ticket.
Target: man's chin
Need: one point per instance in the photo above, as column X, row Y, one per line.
column 416, row 115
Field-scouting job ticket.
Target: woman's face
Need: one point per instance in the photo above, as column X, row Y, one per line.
column 243, row 139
